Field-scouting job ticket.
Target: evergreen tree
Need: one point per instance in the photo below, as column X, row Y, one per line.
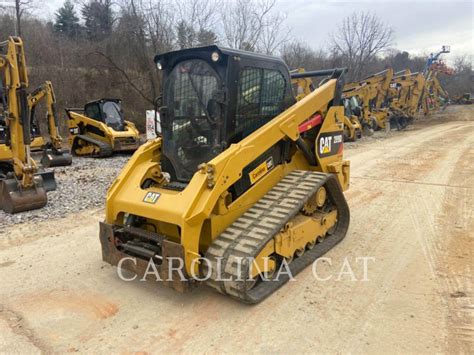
column 206, row 37
column 185, row 35
column 66, row 20
column 98, row 18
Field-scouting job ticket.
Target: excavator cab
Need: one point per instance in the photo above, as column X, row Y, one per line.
column 214, row 97
column 108, row 111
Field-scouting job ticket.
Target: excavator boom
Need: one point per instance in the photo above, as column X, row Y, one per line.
column 21, row 189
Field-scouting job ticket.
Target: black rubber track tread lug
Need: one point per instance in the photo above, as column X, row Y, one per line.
column 247, row 235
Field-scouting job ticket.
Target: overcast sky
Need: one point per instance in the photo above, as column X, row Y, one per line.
column 421, row 26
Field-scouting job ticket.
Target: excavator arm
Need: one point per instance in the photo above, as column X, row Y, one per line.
column 53, row 153
column 20, row 188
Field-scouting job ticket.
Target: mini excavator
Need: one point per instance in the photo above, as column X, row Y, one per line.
column 303, row 86
column 404, row 98
column 53, row 152
column 99, row 130
column 372, row 93
column 244, row 180
column 22, row 186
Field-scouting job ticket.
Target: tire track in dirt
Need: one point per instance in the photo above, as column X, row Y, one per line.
column 18, row 325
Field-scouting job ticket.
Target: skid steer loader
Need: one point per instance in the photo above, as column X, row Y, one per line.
column 22, row 186
column 244, row 182
column 100, row 129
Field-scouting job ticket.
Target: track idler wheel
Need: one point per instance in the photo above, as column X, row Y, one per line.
column 14, row 198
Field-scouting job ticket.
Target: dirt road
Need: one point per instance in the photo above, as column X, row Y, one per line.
column 411, row 211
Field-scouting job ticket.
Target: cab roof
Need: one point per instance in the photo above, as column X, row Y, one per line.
column 170, row 57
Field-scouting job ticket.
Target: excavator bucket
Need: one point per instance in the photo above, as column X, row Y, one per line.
column 48, row 179
column 14, row 198
column 52, row 158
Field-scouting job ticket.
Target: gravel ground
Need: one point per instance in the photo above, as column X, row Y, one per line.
column 80, row 186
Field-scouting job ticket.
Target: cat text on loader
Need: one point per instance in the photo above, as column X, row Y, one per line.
column 100, row 129
column 22, row 188
column 243, row 183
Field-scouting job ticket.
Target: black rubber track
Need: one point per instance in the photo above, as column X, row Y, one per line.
column 105, row 150
column 249, row 234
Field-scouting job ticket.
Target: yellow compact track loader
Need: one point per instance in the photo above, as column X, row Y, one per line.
column 244, row 182
column 100, row 129
column 22, row 187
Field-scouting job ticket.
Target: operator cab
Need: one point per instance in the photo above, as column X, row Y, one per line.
column 214, row 97
column 108, row 111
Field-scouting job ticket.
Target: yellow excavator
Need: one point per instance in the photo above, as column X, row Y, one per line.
column 22, row 187
column 434, row 96
column 244, row 186
column 405, row 95
column 303, row 86
column 99, row 130
column 372, row 93
column 53, row 152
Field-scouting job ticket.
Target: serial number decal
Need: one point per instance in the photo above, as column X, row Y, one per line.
column 151, row 197
column 261, row 170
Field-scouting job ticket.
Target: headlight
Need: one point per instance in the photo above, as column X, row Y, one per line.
column 215, row 56
column 159, row 66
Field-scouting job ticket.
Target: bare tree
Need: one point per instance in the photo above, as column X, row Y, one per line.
column 359, row 39
column 274, row 34
column 21, row 6
column 246, row 25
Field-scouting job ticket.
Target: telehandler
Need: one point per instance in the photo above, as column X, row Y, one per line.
column 244, row 181
column 22, row 186
column 100, row 129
